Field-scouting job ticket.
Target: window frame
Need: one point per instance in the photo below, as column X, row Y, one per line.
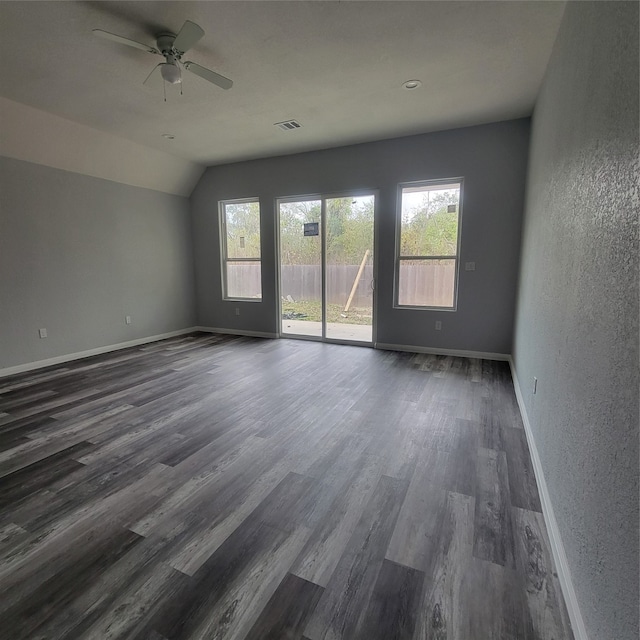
column 400, row 258
column 224, row 258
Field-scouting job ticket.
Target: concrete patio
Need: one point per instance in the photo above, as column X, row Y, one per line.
column 335, row 330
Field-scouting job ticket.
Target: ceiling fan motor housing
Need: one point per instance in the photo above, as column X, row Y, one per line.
column 165, row 43
column 170, row 70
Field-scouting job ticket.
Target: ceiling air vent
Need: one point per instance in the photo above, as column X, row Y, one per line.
column 288, row 125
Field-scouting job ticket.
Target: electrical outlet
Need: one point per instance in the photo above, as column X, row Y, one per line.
column 237, row 311
column 127, row 319
column 438, row 325
column 469, row 266
column 535, row 385
column 42, row 333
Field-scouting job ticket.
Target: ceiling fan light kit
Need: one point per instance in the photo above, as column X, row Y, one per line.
column 170, row 72
column 172, row 48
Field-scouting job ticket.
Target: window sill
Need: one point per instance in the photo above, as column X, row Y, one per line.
column 421, row 308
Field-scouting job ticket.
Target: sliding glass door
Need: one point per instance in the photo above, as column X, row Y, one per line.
column 349, row 268
column 326, row 247
column 301, row 268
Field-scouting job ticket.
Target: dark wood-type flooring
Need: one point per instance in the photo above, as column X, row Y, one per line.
column 227, row 488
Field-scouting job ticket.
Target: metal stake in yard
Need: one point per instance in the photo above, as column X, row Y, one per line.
column 356, row 281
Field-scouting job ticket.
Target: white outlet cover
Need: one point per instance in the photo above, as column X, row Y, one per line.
column 469, row 266
column 438, row 325
column 42, row 333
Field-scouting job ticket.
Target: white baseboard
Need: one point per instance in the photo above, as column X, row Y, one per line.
column 238, row 332
column 557, row 548
column 484, row 355
column 40, row 364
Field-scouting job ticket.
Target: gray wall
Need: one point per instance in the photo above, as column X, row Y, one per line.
column 577, row 319
column 492, row 160
column 78, row 253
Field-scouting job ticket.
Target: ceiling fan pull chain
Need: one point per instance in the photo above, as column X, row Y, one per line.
column 164, row 89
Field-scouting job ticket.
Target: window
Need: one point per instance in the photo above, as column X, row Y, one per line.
column 240, row 234
column 428, row 244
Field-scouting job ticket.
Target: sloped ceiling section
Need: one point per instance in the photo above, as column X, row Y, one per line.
column 336, row 67
column 37, row 136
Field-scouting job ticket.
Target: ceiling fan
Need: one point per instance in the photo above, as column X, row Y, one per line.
column 173, row 47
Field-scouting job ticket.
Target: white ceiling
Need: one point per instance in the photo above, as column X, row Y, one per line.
column 336, row 67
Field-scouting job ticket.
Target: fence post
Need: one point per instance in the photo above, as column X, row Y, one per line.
column 355, row 282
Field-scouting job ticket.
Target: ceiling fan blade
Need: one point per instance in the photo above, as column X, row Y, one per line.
column 130, row 43
column 211, row 76
column 153, row 71
column 188, row 36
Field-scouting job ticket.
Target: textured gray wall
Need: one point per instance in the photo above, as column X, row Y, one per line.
column 78, row 253
column 492, row 159
column 577, row 319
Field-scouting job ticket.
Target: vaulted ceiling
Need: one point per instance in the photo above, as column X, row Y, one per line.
column 336, row 67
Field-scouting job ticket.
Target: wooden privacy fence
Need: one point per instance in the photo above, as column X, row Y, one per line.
column 430, row 284
column 305, row 283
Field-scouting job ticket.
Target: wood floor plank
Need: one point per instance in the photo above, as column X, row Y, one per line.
column 11, row 536
column 122, row 598
column 535, row 566
column 463, row 461
column 419, row 518
column 205, row 485
column 226, row 595
column 447, row 562
column 43, row 552
column 493, row 603
column 130, row 613
column 286, row 614
column 13, row 400
column 493, row 532
column 341, row 610
column 89, row 424
column 23, row 481
column 320, row 556
column 229, row 487
column 39, row 451
column 440, row 421
column 493, row 424
column 393, row 607
column 77, row 492
column 206, row 535
column 522, row 482
column 297, row 501
column 407, row 446
column 33, row 610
